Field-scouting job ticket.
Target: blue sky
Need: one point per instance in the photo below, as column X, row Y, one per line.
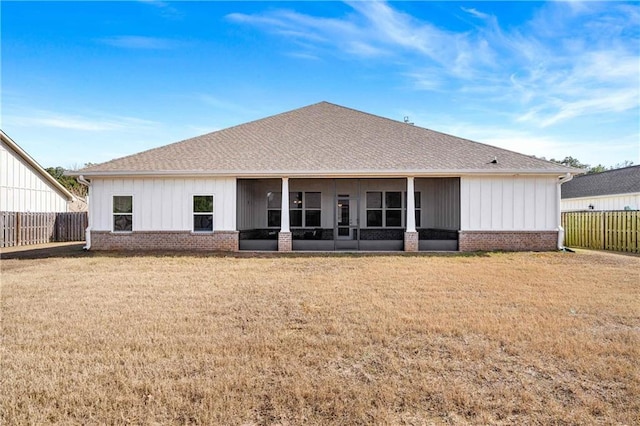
column 92, row 81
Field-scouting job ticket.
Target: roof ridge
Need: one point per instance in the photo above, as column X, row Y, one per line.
column 447, row 134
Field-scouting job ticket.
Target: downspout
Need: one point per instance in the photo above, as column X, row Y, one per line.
column 86, row 183
column 562, row 180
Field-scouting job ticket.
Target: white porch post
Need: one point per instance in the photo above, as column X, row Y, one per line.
column 411, row 237
column 411, row 205
column 284, row 218
column 284, row 236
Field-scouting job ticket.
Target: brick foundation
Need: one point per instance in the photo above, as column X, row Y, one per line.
column 411, row 241
column 508, row 240
column 284, row 241
column 165, row 240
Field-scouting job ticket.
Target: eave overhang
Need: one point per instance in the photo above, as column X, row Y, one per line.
column 325, row 173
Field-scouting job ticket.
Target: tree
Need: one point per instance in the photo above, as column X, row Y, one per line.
column 625, row 163
column 570, row 162
column 574, row 162
column 67, row 181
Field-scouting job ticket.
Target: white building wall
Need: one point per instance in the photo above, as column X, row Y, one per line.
column 163, row 204
column 23, row 189
column 509, row 203
column 605, row 202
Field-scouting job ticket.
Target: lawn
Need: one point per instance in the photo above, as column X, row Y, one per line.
column 534, row 338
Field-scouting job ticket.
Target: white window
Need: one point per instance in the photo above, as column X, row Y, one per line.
column 122, row 213
column 203, row 213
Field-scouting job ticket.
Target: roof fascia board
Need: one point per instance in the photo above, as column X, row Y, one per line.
column 33, row 163
column 324, row 174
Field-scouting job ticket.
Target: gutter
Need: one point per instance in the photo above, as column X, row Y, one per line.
column 562, row 180
column 83, row 181
column 240, row 174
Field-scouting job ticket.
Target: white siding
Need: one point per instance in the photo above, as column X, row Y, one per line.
column 608, row 202
column 163, row 204
column 23, row 189
column 508, row 203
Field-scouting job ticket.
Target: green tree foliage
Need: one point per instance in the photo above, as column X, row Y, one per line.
column 574, row 162
column 68, row 182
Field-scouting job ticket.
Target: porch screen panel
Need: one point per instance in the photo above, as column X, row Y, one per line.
column 374, row 209
column 312, row 209
column 418, row 208
column 274, row 213
column 393, row 209
column 295, row 208
column 305, row 209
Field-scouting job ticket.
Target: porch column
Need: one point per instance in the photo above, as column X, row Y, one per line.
column 284, row 236
column 411, row 235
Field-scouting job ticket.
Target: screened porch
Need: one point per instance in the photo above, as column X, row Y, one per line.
column 348, row 214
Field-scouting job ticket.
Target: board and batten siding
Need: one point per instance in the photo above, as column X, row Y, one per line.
column 509, row 203
column 23, row 189
column 604, row 202
column 163, row 204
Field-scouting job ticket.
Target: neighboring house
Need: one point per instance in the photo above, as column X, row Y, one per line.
column 325, row 177
column 617, row 189
column 25, row 186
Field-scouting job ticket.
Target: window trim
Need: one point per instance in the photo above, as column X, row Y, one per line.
column 113, row 227
column 212, row 213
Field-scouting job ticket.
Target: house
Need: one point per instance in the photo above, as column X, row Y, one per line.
column 25, row 186
column 617, row 189
column 325, row 177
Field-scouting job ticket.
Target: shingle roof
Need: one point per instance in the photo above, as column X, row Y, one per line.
column 324, row 138
column 611, row 182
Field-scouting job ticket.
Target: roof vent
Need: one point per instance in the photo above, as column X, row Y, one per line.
column 406, row 120
column 494, row 161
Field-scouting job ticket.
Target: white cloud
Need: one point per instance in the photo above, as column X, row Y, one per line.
column 475, row 13
column 49, row 119
column 140, row 42
column 165, row 8
column 571, row 59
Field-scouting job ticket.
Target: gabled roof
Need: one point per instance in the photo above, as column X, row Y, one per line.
column 324, row 139
column 611, row 182
column 57, row 186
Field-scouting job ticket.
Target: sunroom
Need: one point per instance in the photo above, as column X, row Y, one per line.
column 347, row 214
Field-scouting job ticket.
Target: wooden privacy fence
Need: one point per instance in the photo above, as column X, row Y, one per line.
column 603, row 230
column 17, row 229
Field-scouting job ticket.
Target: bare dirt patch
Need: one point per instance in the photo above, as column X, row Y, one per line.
column 501, row 339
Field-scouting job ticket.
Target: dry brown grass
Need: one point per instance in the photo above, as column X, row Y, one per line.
column 528, row 338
